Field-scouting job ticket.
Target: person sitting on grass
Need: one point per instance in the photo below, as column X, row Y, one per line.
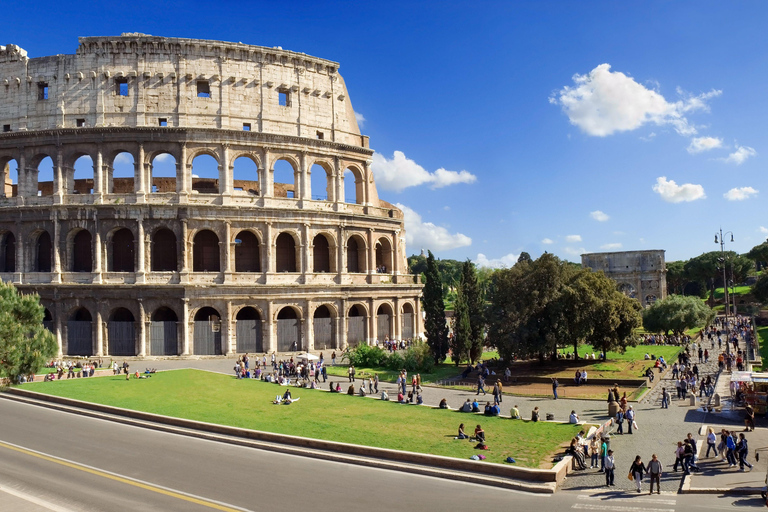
column 419, row 399
column 338, row 387
column 475, row 406
column 487, row 410
column 400, row 397
column 467, row 406
column 480, row 438
column 384, row 395
column 495, row 410
column 461, row 435
column 351, row 390
column 362, row 388
column 332, row 389
column 574, row 418
column 535, row 414
column 443, row 404
column 515, row 413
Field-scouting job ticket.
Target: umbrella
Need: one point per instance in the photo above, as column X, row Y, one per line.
column 307, row 356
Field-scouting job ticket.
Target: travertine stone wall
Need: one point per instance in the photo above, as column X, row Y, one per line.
column 639, row 274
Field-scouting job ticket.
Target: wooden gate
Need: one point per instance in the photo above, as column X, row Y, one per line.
column 356, row 330
column 79, row 338
column 323, row 329
column 163, row 340
column 121, row 338
column 407, row 319
column 249, row 336
column 288, row 334
column 207, row 339
column 382, row 327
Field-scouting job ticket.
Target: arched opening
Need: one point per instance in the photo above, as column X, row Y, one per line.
column 355, row 255
column 248, row 331
column 206, row 252
column 11, row 178
column 284, row 176
column 628, row 290
column 407, row 320
column 245, row 175
column 247, row 254
column 207, row 335
column 205, row 174
column 321, row 254
column 43, row 253
column 384, row 322
column 121, row 332
column 163, row 333
column 285, row 252
column 162, row 173
column 122, row 174
column 383, row 256
column 48, row 320
column 44, row 184
column 163, row 258
column 80, row 333
column 122, row 259
column 288, row 331
column 650, row 299
column 82, row 177
column 357, row 331
column 322, row 326
column 8, row 253
column 353, row 186
column 321, row 183
column 82, row 252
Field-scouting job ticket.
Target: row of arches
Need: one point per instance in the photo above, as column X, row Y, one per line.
column 164, row 250
column 251, row 332
column 120, row 173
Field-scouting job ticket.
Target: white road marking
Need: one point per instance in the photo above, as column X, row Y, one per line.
column 614, row 508
column 658, row 499
column 34, row 499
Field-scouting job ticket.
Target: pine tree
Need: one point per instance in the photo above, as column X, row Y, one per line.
column 475, row 307
column 434, row 309
column 25, row 344
column 461, row 342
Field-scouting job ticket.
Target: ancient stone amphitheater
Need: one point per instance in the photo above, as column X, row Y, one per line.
column 154, row 262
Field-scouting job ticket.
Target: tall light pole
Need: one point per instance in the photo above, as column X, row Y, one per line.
column 721, row 241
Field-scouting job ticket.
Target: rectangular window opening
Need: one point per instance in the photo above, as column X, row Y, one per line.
column 163, row 121
column 203, row 89
column 121, row 84
column 284, row 98
column 6, row 128
column 290, row 194
column 320, row 136
column 80, row 123
column 42, row 91
column 246, row 127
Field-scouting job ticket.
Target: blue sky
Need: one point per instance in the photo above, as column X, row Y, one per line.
column 580, row 126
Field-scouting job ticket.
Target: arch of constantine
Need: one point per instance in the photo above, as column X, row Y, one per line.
column 641, row 275
column 159, row 263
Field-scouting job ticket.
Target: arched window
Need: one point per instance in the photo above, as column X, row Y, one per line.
column 322, row 324
column 353, row 186
column 383, row 256
column 356, row 325
column 82, row 252
column 8, row 249
column 207, row 334
column 288, row 332
column 205, row 174
column 284, row 179
column 122, row 174
column 164, row 257
column 321, row 183
column 247, row 257
column 245, row 175
column 43, row 253
column 163, row 332
column 122, row 251
column 248, row 329
column 10, row 178
column 163, row 173
column 206, row 252
column 44, row 177
column 355, row 255
column 121, row 331
column 321, row 254
column 407, row 322
column 80, row 333
column 82, row 178
column 286, row 253
column 384, row 322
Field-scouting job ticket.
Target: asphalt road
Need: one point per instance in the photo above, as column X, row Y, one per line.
column 51, row 460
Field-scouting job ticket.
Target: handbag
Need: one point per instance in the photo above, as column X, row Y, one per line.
column 634, row 425
column 629, row 476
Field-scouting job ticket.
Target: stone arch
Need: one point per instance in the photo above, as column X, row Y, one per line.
column 205, row 171
column 44, row 177
column 288, row 329
column 121, row 172
column 162, row 171
column 357, row 262
column 9, row 168
column 163, row 332
column 205, row 253
column 384, row 256
column 627, row 289
column 324, row 326
column 248, row 330
column 357, row 324
column 207, row 332
column 245, row 173
column 43, row 253
column 7, row 252
column 321, row 181
column 80, row 333
column 323, row 251
column 121, row 332
column 121, row 251
column 650, row 299
column 247, row 252
column 286, row 252
column 48, row 320
column 164, row 249
column 384, row 322
column 285, row 176
column 79, row 174
column 407, row 321
column 81, row 251
column 354, row 184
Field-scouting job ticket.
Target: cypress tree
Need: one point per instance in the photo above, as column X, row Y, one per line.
column 475, row 306
column 434, row 309
column 461, row 341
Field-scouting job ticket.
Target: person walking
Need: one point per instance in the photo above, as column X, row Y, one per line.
column 637, row 470
column 481, row 385
column 630, row 419
column 664, row 398
column 743, row 450
column 711, row 442
column 654, row 469
column 620, row 422
column 610, row 467
column 679, row 456
column 555, row 384
column 730, row 455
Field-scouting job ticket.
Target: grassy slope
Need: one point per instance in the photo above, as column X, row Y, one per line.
column 215, row 398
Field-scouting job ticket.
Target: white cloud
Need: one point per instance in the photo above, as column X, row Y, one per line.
column 425, row 235
column 360, row 119
column 401, row 172
column 764, row 230
column 575, row 251
column 504, row 262
column 547, row 241
column 619, row 233
column 740, row 194
column 700, row 144
column 649, row 138
column 446, row 208
column 124, row 158
column 671, row 192
column 599, row 216
column 611, row 247
column 162, row 157
column 571, row 239
column 604, row 102
column 740, row 155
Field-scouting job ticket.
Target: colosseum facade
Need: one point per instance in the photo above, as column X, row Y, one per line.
column 147, row 264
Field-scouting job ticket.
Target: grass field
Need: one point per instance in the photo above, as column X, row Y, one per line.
column 733, row 290
column 215, row 398
column 762, row 333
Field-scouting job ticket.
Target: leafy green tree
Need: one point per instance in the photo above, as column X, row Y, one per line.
column 25, row 345
column 760, row 289
column 524, row 256
column 759, row 254
column 707, row 269
column 434, row 309
column 461, row 341
column 475, row 300
column 677, row 278
column 677, row 313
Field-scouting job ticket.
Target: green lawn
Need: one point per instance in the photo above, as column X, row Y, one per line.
column 737, row 290
column 216, row 398
column 632, row 353
column 762, row 333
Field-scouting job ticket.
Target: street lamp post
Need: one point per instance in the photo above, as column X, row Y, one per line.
column 721, row 241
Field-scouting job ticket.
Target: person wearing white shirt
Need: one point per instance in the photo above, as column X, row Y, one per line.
column 610, row 467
